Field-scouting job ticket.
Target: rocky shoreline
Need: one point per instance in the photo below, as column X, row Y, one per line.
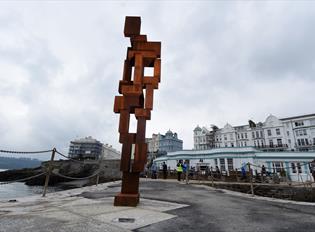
column 109, row 171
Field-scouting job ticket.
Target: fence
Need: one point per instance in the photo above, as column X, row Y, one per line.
column 48, row 171
column 246, row 177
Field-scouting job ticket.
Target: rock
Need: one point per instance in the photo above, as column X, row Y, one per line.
column 109, row 170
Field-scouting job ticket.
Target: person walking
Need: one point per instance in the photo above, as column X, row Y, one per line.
column 154, row 171
column 179, row 170
column 243, row 173
column 263, row 173
column 217, row 172
column 312, row 167
column 164, row 167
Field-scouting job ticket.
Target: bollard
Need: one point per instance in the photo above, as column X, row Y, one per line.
column 251, row 180
column 49, row 171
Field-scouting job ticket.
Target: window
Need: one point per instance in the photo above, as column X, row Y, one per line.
column 302, row 142
column 257, row 134
column 277, row 166
column 242, row 135
column 299, row 123
column 245, row 135
column 269, row 132
column 278, row 131
column 271, row 143
column 288, row 133
column 299, row 142
column 299, row 167
column 261, row 134
column 255, row 143
column 225, row 138
column 222, row 165
column 306, row 141
column 300, row 132
column 253, row 134
column 230, row 164
column 245, row 144
column 293, row 167
column 238, row 136
column 289, row 140
column 201, row 160
column 279, row 142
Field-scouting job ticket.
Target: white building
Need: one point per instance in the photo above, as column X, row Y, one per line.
column 296, row 164
column 109, row 153
column 153, row 143
column 286, row 134
column 85, row 148
column 89, row 148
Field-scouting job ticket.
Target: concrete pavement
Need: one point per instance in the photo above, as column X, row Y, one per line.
column 165, row 206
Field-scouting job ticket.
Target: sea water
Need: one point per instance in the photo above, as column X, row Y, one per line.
column 19, row 189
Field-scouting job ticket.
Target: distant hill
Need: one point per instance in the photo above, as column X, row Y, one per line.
column 18, row 163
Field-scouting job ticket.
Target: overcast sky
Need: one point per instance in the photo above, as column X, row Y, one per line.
column 60, row 64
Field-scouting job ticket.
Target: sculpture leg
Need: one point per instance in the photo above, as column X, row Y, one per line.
column 129, row 195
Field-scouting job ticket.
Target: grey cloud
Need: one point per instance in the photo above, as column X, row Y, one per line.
column 221, row 62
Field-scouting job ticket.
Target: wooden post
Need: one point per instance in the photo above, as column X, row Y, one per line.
column 212, row 177
column 250, row 179
column 187, row 170
column 49, row 171
column 212, row 180
column 97, row 179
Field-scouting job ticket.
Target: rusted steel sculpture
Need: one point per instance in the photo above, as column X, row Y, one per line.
column 135, row 100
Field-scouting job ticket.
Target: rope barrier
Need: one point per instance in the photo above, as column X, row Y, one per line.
column 285, row 168
column 76, row 178
column 24, row 179
column 25, row 152
column 304, row 183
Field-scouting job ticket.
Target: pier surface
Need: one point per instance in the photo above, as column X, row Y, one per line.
column 164, row 206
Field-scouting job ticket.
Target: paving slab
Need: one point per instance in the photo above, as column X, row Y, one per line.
column 85, row 209
column 164, row 206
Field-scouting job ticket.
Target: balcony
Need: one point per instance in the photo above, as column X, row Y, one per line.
column 275, row 147
column 306, row 147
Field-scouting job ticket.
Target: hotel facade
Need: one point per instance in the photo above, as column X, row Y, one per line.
column 296, row 164
column 278, row 144
column 284, row 134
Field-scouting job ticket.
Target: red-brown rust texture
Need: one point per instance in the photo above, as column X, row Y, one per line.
column 137, row 98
